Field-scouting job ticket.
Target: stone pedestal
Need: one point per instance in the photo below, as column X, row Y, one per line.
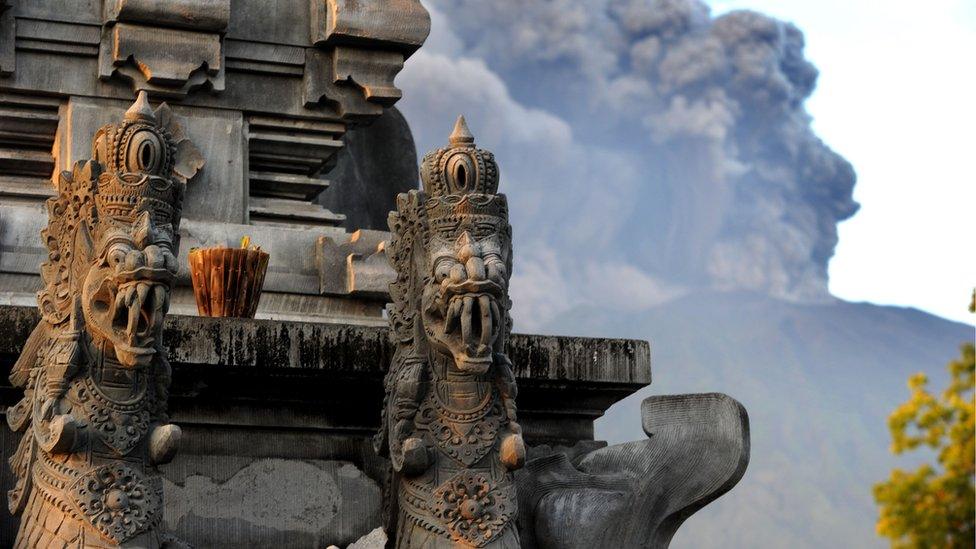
column 278, row 419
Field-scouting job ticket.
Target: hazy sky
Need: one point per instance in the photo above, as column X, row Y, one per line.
column 897, row 97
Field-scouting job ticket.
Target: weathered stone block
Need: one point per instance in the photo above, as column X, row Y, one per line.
column 201, row 15
column 400, row 25
column 163, row 60
column 222, row 501
column 357, row 264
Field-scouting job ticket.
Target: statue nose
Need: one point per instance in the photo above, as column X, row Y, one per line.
column 475, row 266
column 134, row 260
column 466, row 247
column 469, row 255
column 155, row 258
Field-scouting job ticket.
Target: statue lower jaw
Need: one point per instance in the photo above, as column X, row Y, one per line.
column 134, row 356
column 472, row 365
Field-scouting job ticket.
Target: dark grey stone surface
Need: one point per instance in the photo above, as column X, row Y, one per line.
column 228, row 501
column 327, row 377
column 378, row 162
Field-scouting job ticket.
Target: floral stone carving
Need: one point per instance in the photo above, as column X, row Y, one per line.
column 449, row 418
column 93, row 371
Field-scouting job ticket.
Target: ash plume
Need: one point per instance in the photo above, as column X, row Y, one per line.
column 645, row 134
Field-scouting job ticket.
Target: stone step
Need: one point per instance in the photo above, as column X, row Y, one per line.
column 26, row 187
column 281, row 211
column 286, row 185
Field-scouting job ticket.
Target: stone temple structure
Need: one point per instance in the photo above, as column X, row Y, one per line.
column 379, row 395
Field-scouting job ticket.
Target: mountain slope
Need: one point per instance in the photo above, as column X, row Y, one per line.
column 818, row 382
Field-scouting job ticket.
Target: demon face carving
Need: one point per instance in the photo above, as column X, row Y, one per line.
column 125, row 294
column 465, row 298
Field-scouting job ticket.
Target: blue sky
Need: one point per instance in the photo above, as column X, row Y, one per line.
column 897, row 97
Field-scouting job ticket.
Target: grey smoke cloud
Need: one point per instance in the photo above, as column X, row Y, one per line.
column 640, row 134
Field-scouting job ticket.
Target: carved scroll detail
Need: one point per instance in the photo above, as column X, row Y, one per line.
column 357, row 50
column 169, row 48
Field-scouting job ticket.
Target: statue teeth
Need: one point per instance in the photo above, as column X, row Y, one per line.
column 119, row 305
column 486, row 325
column 133, row 320
column 453, row 315
column 142, row 291
column 467, row 307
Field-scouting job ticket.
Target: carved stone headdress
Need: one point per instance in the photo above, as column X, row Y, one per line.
column 138, row 155
column 140, row 165
column 460, row 168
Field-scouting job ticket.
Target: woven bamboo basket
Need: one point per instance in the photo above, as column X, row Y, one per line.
column 228, row 281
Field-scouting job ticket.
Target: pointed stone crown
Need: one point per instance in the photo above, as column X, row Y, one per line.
column 460, row 168
column 138, row 158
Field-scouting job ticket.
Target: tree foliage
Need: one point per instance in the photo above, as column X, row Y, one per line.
column 935, row 505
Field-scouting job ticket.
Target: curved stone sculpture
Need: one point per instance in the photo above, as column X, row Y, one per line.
column 94, row 370
column 449, row 419
column 637, row 494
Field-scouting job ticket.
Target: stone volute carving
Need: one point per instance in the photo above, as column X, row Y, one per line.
column 169, row 48
column 449, row 418
column 93, row 371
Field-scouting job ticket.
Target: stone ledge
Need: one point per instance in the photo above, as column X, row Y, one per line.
column 239, row 379
column 351, row 349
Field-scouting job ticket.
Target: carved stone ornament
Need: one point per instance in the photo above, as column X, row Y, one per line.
column 93, row 371
column 169, row 48
column 358, row 49
column 449, row 418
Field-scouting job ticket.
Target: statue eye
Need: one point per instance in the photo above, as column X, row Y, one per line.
column 145, row 153
column 116, row 254
column 485, row 230
column 442, row 268
column 461, row 173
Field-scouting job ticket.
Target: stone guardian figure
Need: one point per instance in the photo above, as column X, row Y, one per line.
column 449, row 419
column 94, row 372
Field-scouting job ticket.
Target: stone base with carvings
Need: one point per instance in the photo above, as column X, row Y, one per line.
column 278, row 417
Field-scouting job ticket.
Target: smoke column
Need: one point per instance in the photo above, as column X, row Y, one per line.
column 641, row 139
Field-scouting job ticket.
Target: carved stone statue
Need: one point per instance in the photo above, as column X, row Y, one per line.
column 449, row 419
column 94, row 373
column 635, row 495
